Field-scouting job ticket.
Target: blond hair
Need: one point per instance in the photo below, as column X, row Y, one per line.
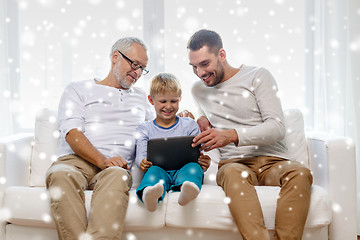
column 165, row 82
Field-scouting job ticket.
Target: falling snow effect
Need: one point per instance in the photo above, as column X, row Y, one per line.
column 54, row 53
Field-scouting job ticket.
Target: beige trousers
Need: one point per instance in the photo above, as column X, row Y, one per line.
column 66, row 181
column 239, row 176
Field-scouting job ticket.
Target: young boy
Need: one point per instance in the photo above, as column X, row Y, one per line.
column 165, row 95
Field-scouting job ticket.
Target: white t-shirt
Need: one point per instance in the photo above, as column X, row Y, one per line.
column 107, row 116
column 247, row 102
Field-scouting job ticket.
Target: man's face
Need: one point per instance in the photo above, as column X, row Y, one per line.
column 125, row 75
column 207, row 66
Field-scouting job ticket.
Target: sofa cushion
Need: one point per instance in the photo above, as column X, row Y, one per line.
column 30, row 206
column 295, row 136
column 46, row 140
column 210, row 210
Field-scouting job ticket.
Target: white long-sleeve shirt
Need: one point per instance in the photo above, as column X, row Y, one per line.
column 107, row 116
column 247, row 102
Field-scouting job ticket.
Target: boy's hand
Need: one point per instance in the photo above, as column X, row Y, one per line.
column 204, row 161
column 145, row 165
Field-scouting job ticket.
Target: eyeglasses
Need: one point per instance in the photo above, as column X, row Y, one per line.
column 134, row 65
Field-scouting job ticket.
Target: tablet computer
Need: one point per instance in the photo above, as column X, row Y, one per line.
column 172, row 153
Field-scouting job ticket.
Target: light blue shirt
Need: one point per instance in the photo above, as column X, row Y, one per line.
column 148, row 130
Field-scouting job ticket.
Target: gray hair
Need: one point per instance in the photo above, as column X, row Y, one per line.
column 125, row 43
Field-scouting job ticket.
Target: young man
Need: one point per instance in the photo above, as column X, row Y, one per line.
column 165, row 95
column 242, row 116
column 97, row 120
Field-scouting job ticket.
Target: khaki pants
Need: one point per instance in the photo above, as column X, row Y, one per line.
column 66, row 181
column 239, row 176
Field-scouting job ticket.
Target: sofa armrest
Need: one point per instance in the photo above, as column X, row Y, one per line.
column 333, row 164
column 15, row 155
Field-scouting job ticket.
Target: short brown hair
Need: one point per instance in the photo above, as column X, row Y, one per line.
column 165, row 82
column 205, row 37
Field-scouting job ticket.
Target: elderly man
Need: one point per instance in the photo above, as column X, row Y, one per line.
column 97, row 121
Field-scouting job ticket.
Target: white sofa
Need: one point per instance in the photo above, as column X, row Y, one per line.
column 24, row 201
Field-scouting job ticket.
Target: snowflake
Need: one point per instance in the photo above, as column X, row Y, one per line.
column 55, row 193
column 2, row 180
column 130, row 236
column 227, row 200
column 46, row 218
column 336, row 207
column 244, row 174
column 212, row 177
column 189, row 232
column 85, row 236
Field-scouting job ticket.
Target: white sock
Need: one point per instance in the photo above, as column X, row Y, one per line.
column 189, row 192
column 151, row 196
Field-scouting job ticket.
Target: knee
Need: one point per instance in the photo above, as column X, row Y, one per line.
column 116, row 174
column 155, row 169
column 235, row 172
column 154, row 174
column 301, row 174
column 62, row 174
column 193, row 169
column 63, row 179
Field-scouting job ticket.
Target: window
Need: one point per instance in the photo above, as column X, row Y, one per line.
column 64, row 41
column 52, row 43
column 271, row 36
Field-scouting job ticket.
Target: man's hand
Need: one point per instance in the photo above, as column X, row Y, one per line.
column 203, row 123
column 114, row 161
column 145, row 165
column 204, row 161
column 214, row 138
column 186, row 113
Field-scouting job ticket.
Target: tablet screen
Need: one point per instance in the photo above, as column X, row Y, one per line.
column 172, row 153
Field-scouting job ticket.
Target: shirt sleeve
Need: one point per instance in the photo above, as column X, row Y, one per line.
column 71, row 111
column 195, row 129
column 150, row 114
column 198, row 111
column 272, row 129
column 142, row 137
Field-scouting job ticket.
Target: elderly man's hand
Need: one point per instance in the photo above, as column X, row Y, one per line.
column 114, row 161
column 186, row 113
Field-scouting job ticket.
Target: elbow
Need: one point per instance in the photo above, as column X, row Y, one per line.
column 281, row 131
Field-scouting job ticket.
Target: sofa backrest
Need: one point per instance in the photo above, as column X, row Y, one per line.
column 46, row 139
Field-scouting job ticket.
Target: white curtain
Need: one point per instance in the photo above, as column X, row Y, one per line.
column 5, row 93
column 333, row 70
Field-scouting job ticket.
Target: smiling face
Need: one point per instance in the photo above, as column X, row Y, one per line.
column 166, row 106
column 208, row 66
column 125, row 76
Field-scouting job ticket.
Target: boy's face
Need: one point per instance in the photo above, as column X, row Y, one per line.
column 166, row 105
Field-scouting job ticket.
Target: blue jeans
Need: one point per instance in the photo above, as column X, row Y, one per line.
column 172, row 180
